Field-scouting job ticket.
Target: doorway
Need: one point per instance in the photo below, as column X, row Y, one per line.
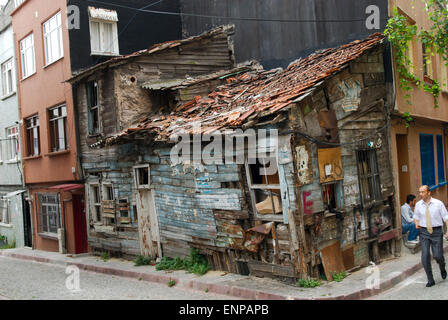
column 148, row 225
column 79, row 216
column 403, row 167
column 27, row 231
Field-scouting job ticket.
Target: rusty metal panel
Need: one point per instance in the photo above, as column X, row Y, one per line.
column 330, row 165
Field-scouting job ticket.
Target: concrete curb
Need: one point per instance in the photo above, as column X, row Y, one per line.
column 222, row 289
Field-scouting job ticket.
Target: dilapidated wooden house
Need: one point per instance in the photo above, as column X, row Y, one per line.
column 109, row 97
column 322, row 124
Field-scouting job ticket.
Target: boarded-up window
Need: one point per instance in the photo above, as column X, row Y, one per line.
column 123, row 209
column 369, row 177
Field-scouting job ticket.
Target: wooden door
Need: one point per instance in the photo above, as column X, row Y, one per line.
column 80, row 224
column 148, row 225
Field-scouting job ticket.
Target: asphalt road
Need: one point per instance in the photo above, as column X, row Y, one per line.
column 414, row 288
column 24, row 280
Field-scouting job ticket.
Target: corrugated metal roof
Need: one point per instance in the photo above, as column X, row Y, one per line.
column 251, row 95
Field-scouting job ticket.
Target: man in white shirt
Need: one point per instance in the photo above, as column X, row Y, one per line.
column 429, row 216
column 407, row 222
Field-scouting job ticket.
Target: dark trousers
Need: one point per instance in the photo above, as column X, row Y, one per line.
column 435, row 241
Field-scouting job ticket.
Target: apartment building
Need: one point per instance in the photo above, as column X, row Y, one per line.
column 419, row 151
column 52, row 43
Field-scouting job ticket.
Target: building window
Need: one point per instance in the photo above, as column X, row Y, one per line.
column 108, row 192
column 440, row 160
column 427, row 61
column 142, row 177
column 332, row 196
column 32, row 136
column 8, row 83
column 264, row 186
column 427, row 159
column 12, row 143
column 27, row 56
column 50, row 220
column 95, row 200
column 103, row 31
column 444, row 82
column 369, row 177
column 4, row 211
column 93, row 109
column 58, row 128
column 52, row 30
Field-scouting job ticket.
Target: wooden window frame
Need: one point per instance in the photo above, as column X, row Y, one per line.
column 252, row 187
column 33, row 127
column 372, row 178
column 93, row 108
column 137, row 179
column 55, row 122
column 94, row 205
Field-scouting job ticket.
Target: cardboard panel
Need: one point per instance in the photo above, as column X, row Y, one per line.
column 330, row 165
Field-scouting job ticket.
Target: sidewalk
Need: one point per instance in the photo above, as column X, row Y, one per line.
column 245, row 287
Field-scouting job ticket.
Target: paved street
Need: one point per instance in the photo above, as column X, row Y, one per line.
column 32, row 280
column 414, row 288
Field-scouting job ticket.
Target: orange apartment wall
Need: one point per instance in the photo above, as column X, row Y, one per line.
column 428, row 119
column 67, row 222
column 45, row 89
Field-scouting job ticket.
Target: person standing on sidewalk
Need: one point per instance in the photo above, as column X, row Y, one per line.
column 406, row 219
column 429, row 215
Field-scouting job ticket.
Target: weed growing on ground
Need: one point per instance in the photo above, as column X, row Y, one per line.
column 195, row 263
column 338, row 277
column 171, row 283
column 11, row 245
column 105, row 256
column 142, row 261
column 308, row 283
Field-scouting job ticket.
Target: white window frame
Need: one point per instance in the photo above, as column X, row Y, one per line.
column 47, row 205
column 12, row 144
column 252, row 187
column 60, row 122
column 53, row 43
column 27, row 52
column 102, row 48
column 5, row 213
column 8, row 78
column 35, row 128
column 137, row 183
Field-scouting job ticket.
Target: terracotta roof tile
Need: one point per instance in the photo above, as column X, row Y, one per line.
column 255, row 93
